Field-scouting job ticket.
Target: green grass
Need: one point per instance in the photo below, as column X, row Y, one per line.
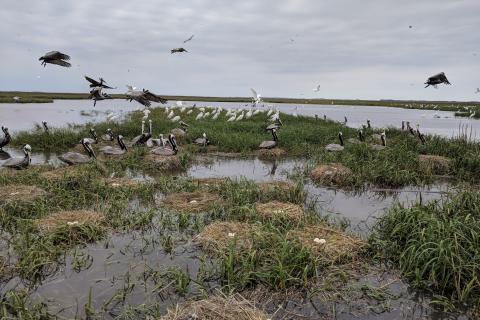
column 435, row 245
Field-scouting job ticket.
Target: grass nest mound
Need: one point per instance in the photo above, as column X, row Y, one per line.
column 278, row 185
column 434, row 164
column 70, row 218
column 192, row 201
column 277, row 209
column 331, row 174
column 271, row 153
column 328, row 244
column 217, row 236
column 19, row 192
column 216, row 307
column 164, row 163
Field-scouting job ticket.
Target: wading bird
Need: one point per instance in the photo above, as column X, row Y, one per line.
column 143, row 96
column 334, row 147
column 55, row 57
column 94, row 83
column 270, row 144
column 20, row 163
column 178, row 50
column 164, row 151
column 6, row 138
column 73, row 158
column 436, row 80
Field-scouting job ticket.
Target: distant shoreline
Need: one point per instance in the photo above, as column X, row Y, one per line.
column 49, row 97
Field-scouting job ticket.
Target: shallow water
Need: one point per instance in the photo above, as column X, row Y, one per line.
column 62, row 112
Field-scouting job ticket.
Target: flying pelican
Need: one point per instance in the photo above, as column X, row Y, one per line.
column 143, row 96
column 189, row 39
column 257, row 98
column 55, row 57
column 96, row 94
column 6, row 138
column 163, row 151
column 20, row 163
column 178, row 50
column 317, row 88
column 94, row 83
column 477, row 90
column 436, row 80
column 72, row 158
column 334, row 147
column 270, row 144
column 203, row 141
column 114, row 151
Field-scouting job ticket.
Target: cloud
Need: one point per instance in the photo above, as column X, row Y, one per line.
column 355, row 49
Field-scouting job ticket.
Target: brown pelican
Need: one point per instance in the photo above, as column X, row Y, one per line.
column 94, row 138
column 360, row 139
column 160, row 142
column 141, row 139
column 369, row 126
column 203, row 141
column 378, row 147
column 436, row 80
column 403, row 125
column 113, row 151
column 182, row 131
column 72, row 158
column 278, row 123
column 420, row 135
column 179, row 50
column 108, row 136
column 96, row 94
column 20, row 163
column 143, row 96
column 55, row 57
column 6, row 138
column 270, row 144
column 94, row 83
column 164, row 151
column 333, row 147
column 45, row 127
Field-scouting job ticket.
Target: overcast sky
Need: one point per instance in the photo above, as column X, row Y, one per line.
column 283, row 48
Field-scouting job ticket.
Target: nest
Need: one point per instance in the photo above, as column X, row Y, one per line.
column 277, row 209
column 192, row 201
column 434, row 164
column 20, row 192
column 278, row 185
column 216, row 237
column 328, row 244
column 70, row 218
column 271, row 153
column 209, row 182
column 234, row 307
column 122, row 183
column 164, row 163
column 331, row 174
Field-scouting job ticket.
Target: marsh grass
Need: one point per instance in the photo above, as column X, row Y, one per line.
column 435, row 245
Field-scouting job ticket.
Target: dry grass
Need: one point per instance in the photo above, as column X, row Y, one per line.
column 164, row 163
column 20, row 192
column 209, row 182
column 216, row 307
column 327, row 243
column 216, row 237
column 62, row 173
column 434, row 164
column 122, row 183
column 271, row 153
column 331, row 174
column 277, row 185
column 70, row 218
column 192, row 201
column 277, row 209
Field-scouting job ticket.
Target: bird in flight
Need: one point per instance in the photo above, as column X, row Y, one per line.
column 257, row 98
column 175, row 50
column 189, row 39
column 477, row 91
column 436, row 80
column 94, row 83
column 96, row 94
column 143, row 96
column 317, row 88
column 55, row 57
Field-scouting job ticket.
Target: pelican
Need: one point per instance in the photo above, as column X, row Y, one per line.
column 203, row 141
column 141, row 139
column 72, row 158
column 178, row 50
column 144, row 96
column 334, row 147
column 96, row 94
column 108, row 136
column 249, row 114
column 232, row 118
column 164, row 151
column 160, row 142
column 295, row 112
column 94, row 138
column 345, row 120
column 182, row 131
column 55, row 57
column 378, row 147
column 6, row 138
column 270, row 144
column 45, row 126
column 190, row 111
column 20, row 163
column 114, row 151
column 94, row 83
column 277, row 125
column 368, row 124
column 360, row 139
column 317, row 88
column 420, row 135
column 215, row 116
column 436, row 80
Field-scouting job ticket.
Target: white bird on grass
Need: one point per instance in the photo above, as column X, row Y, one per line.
column 199, row 116
column 232, row 118
column 176, row 119
column 146, row 113
column 240, row 117
column 190, row 111
column 170, row 115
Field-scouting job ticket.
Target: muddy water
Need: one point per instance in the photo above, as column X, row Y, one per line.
column 62, row 112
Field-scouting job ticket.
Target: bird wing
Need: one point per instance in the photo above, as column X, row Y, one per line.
column 141, row 99
column 92, row 81
column 191, row 37
column 255, row 95
column 60, row 63
column 153, row 97
column 56, row 55
column 443, row 77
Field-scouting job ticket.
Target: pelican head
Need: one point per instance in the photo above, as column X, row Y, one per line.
column 27, row 149
column 86, row 145
column 340, row 137
column 121, row 143
column 384, row 139
column 5, row 130
column 173, row 142
column 93, row 133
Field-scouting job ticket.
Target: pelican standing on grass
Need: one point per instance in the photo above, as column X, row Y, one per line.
column 20, row 163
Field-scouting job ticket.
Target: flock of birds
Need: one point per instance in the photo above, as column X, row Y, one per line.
column 162, row 146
